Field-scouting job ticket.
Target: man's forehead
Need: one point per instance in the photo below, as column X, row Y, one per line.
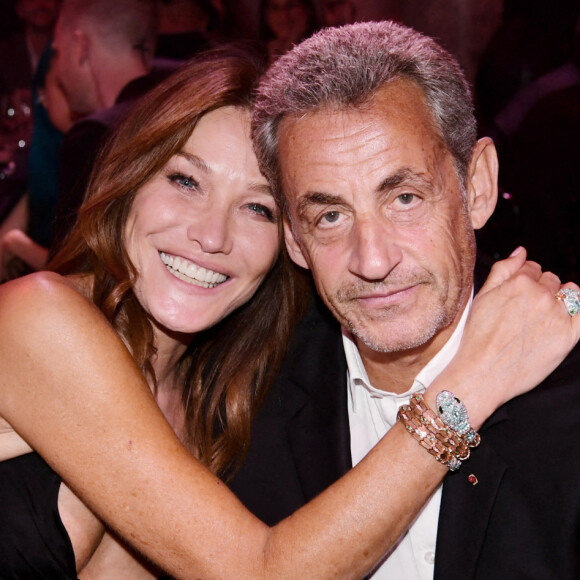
column 338, row 151
column 399, row 109
column 404, row 92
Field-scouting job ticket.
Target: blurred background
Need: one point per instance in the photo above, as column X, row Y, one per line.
column 521, row 58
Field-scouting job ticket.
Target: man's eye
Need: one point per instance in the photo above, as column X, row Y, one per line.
column 406, row 198
column 331, row 217
column 183, row 180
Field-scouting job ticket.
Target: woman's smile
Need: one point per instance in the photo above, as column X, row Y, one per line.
column 191, row 273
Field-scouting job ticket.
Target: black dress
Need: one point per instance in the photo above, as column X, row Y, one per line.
column 34, row 543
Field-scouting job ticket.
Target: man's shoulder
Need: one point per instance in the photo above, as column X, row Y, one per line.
column 546, row 417
column 314, row 366
column 316, row 335
column 560, row 388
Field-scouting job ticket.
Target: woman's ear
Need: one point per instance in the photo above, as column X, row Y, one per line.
column 482, row 182
column 294, row 250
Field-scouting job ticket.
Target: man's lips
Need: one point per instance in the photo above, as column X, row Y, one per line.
column 386, row 296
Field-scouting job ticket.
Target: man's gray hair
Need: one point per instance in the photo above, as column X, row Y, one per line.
column 345, row 67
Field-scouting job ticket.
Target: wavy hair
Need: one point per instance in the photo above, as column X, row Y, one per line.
column 225, row 372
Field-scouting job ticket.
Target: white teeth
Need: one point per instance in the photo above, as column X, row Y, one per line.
column 189, row 272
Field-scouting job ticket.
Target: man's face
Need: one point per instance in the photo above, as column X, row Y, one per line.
column 378, row 214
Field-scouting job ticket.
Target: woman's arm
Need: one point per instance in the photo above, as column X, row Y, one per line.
column 71, row 389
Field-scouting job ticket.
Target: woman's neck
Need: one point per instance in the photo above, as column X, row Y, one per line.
column 168, row 390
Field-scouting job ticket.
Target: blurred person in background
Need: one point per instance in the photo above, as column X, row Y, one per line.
column 104, row 49
column 337, row 12
column 26, row 233
column 20, row 53
column 185, row 27
column 283, row 23
column 19, row 57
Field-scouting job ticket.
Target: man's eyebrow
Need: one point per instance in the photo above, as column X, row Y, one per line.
column 406, row 174
column 317, row 198
column 403, row 175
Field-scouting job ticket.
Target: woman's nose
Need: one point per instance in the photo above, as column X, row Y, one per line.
column 211, row 232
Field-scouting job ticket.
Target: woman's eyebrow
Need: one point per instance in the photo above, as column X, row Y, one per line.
column 195, row 160
column 201, row 164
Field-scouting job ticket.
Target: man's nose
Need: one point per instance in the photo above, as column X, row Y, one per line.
column 375, row 251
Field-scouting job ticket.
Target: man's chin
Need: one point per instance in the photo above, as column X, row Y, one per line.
column 393, row 335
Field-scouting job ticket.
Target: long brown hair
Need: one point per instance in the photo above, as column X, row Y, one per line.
column 226, row 371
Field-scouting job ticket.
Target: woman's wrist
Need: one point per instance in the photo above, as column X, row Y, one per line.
column 478, row 400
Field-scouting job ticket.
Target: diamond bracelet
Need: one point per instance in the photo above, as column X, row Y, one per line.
column 445, row 444
column 454, row 414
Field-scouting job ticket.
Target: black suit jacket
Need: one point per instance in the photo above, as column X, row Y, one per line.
column 520, row 521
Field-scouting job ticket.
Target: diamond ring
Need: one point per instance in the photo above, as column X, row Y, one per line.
column 570, row 299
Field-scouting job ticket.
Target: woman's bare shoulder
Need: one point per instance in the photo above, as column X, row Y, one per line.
column 43, row 299
column 48, row 322
column 58, row 351
column 39, row 286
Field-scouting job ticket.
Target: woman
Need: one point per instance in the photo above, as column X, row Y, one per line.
column 179, row 232
column 283, row 23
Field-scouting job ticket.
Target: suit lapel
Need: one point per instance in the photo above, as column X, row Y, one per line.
column 318, row 431
column 466, row 509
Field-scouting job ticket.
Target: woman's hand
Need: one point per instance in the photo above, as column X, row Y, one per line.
column 516, row 335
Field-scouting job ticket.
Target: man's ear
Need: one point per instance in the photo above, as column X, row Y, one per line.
column 482, row 182
column 80, row 46
column 294, row 250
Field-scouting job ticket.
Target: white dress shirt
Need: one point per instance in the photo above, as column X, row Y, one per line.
column 372, row 412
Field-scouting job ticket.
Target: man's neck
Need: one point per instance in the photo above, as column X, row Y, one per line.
column 396, row 371
column 116, row 79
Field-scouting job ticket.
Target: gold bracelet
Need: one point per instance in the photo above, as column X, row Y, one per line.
column 447, row 446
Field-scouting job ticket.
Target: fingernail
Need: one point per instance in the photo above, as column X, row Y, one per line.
column 516, row 251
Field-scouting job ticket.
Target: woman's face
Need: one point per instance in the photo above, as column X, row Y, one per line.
column 287, row 19
column 203, row 233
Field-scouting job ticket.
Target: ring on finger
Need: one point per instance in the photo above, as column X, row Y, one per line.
column 571, row 300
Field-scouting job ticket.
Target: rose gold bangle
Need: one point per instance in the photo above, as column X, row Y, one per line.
column 447, row 446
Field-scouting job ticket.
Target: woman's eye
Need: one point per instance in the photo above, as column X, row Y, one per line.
column 183, row 181
column 262, row 210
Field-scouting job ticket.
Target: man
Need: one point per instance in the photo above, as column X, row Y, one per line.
column 104, row 51
column 369, row 133
column 100, row 47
